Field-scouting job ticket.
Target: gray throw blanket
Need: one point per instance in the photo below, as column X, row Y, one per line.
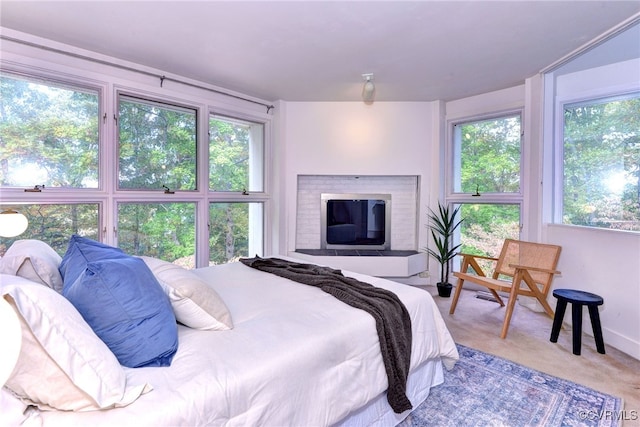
column 392, row 319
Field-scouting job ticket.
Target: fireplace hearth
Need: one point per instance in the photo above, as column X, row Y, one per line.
column 356, row 252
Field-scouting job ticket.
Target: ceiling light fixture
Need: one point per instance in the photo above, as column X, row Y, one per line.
column 12, row 223
column 369, row 89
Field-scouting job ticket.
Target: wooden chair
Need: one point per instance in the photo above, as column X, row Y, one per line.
column 523, row 268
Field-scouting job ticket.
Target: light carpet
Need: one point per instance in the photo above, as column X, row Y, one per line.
column 486, row 390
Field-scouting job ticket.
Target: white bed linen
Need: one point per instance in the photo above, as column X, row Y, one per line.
column 296, row 356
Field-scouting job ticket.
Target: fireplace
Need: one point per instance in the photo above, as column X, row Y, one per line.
column 355, row 221
column 402, row 221
column 397, row 257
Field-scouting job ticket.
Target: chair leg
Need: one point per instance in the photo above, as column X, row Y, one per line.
column 513, row 295
column 497, row 297
column 576, row 318
column 547, row 307
column 456, row 295
column 561, row 307
column 542, row 298
column 597, row 328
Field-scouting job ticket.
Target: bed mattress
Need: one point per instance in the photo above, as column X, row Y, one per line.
column 296, row 356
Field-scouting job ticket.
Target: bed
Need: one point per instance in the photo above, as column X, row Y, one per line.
column 295, row 355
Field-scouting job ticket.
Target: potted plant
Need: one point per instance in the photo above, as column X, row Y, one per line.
column 443, row 224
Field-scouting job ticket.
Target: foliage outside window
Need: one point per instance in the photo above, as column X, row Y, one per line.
column 487, row 156
column 601, row 163
column 55, row 223
column 486, row 182
column 159, row 230
column 48, row 135
column 157, row 146
column 486, row 226
column 235, row 230
column 235, row 155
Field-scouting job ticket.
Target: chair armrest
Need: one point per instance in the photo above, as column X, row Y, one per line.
column 525, row 267
column 478, row 256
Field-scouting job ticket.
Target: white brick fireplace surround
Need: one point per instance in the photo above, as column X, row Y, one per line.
column 403, row 260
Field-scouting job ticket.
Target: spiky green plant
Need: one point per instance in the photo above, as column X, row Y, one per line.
column 443, row 224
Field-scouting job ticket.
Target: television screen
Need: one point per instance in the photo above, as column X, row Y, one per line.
column 358, row 222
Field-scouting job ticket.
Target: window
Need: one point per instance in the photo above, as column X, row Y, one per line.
column 48, row 134
column 160, row 230
column 236, row 169
column 235, row 155
column 486, row 181
column 487, row 156
column 235, row 230
column 134, row 178
column 54, row 223
column 486, row 226
column 157, row 146
column 601, row 163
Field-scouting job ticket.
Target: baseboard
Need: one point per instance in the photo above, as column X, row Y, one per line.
column 620, row 342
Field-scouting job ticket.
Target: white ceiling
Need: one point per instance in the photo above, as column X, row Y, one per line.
column 318, row 50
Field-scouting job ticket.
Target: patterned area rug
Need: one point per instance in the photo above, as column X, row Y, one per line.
column 486, row 390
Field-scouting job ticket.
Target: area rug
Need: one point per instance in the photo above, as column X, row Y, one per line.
column 486, row 390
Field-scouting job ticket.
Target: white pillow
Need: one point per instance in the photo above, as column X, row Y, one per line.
column 194, row 303
column 62, row 363
column 33, row 260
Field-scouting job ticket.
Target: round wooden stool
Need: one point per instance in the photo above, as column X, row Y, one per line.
column 578, row 299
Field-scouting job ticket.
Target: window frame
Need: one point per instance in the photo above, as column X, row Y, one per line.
column 241, row 120
column 253, row 249
column 107, row 196
column 154, row 101
column 589, row 98
column 452, row 152
column 453, row 198
column 64, row 82
column 263, row 196
column 53, row 200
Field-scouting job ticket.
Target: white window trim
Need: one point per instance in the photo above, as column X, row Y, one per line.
column 558, row 147
column 453, row 197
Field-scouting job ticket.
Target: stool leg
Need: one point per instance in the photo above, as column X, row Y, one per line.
column 561, row 307
column 597, row 328
column 576, row 311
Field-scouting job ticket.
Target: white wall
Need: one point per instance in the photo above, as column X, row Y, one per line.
column 606, row 263
column 352, row 138
column 501, row 100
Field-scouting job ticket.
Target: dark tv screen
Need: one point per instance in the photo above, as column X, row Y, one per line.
column 358, row 222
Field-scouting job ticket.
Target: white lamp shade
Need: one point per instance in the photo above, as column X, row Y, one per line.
column 11, row 336
column 12, row 223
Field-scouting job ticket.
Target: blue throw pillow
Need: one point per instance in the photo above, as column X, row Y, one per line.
column 125, row 306
column 81, row 251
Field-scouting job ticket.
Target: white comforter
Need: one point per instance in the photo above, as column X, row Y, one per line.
column 296, row 356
